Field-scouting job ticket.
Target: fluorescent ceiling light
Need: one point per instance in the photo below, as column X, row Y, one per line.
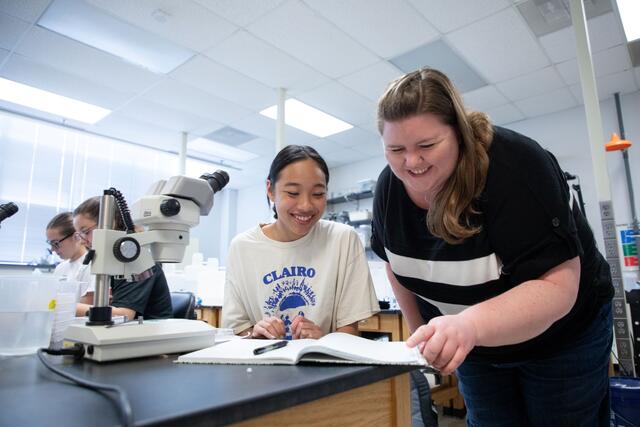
column 308, row 119
column 49, row 102
column 630, row 15
column 220, row 151
column 94, row 27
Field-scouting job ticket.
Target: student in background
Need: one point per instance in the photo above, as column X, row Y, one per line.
column 149, row 297
column 62, row 238
column 299, row 276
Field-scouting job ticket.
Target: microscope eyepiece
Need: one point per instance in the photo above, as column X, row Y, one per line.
column 216, row 180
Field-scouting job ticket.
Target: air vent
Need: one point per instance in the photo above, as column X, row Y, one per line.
column 230, row 136
column 548, row 16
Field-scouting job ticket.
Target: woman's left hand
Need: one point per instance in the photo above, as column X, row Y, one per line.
column 301, row 327
column 445, row 341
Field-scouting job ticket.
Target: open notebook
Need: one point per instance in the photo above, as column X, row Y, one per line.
column 336, row 347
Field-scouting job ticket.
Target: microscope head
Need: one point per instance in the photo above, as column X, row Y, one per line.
column 173, row 207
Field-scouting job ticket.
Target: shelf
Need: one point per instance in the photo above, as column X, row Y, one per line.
column 350, row 197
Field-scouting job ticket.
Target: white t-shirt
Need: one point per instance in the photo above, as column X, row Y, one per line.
column 75, row 270
column 323, row 276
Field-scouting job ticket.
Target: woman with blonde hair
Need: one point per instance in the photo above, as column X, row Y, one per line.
column 478, row 221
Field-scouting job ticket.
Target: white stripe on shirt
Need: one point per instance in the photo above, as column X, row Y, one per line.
column 459, row 273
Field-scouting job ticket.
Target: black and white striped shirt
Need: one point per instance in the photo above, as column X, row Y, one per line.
column 529, row 226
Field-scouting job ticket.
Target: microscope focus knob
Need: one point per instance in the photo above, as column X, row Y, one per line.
column 126, row 249
column 170, row 207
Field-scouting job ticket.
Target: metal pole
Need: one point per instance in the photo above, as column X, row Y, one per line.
column 105, row 221
column 182, row 155
column 603, row 189
column 280, row 137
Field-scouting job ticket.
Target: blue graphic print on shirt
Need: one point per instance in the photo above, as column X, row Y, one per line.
column 288, row 299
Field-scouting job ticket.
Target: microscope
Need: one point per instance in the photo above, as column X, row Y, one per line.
column 167, row 213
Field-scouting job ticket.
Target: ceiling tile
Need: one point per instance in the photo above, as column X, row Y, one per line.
column 343, row 156
column 168, row 118
column 623, row 82
column 448, row 15
column 335, row 99
column 261, row 146
column 484, row 98
column 243, row 12
column 548, row 103
column 23, row 70
column 11, row 29
column 369, row 150
column 265, row 63
column 372, row 81
column 186, row 23
column 4, row 54
column 355, row 136
column 367, row 21
column 500, row 46
column 120, row 126
column 532, row 84
column 440, row 56
column 78, row 59
column 504, row 114
column 27, row 10
column 297, row 30
column 604, row 32
column 605, row 62
column 218, row 80
column 172, row 93
column 324, row 147
column 257, row 124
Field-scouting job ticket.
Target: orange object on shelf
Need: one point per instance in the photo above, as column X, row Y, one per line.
column 616, row 144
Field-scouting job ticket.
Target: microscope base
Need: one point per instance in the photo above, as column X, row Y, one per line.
column 133, row 339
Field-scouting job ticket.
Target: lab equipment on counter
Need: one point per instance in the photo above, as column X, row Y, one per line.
column 170, row 209
column 27, row 305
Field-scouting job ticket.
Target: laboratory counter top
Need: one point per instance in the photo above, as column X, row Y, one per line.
column 163, row 393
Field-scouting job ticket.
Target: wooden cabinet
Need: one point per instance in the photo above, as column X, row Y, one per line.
column 445, row 394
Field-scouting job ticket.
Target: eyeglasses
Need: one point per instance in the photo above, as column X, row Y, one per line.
column 55, row 244
column 82, row 234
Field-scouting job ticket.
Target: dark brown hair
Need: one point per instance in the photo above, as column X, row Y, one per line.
column 450, row 215
column 91, row 209
column 63, row 222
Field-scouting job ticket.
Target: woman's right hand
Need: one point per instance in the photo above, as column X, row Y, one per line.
column 270, row 327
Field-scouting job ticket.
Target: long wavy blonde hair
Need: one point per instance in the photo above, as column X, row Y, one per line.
column 451, row 213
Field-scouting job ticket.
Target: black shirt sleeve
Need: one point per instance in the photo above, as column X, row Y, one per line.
column 380, row 202
column 527, row 211
column 149, row 298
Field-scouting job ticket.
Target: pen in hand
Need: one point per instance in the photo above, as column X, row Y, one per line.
column 269, row 347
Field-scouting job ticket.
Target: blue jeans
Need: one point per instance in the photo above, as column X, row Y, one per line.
column 569, row 388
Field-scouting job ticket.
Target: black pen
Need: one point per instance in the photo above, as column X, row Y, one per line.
column 269, row 347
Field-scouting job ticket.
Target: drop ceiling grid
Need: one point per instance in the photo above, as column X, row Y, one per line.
column 550, row 102
column 188, row 23
column 225, row 83
column 265, row 63
column 91, row 64
column 341, row 102
column 450, row 15
column 317, row 48
column 28, row 11
column 501, row 46
column 371, row 81
column 175, row 94
column 27, row 71
column 375, row 24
